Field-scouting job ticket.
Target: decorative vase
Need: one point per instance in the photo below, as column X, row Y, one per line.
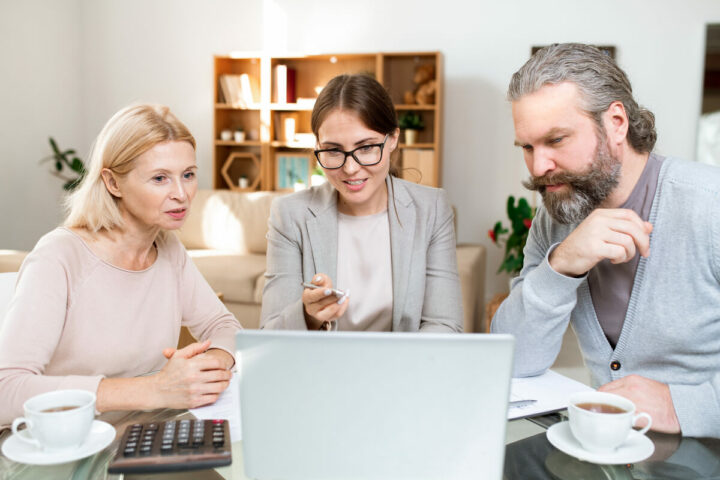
column 239, row 136
column 410, row 136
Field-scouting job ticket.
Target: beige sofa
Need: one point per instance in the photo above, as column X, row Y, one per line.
column 225, row 236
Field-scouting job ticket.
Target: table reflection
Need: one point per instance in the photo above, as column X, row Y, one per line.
column 675, row 457
column 533, row 457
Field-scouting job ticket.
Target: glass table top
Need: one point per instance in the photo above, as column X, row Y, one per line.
column 528, row 455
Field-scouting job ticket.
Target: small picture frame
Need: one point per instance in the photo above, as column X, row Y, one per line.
column 292, row 170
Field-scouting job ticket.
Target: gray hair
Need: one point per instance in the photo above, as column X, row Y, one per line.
column 599, row 79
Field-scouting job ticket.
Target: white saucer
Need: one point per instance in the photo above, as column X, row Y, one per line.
column 100, row 436
column 636, row 449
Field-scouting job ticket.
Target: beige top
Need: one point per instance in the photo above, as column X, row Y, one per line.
column 364, row 268
column 75, row 319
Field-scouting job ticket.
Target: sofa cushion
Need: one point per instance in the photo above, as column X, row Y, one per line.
column 232, row 274
column 471, row 269
column 228, row 220
column 10, row 260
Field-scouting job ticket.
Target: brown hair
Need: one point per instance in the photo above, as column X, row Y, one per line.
column 362, row 94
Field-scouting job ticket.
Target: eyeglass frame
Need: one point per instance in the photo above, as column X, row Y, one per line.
column 351, row 153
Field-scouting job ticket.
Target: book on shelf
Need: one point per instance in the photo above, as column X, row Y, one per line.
column 290, row 84
column 246, row 89
column 284, row 85
column 237, row 90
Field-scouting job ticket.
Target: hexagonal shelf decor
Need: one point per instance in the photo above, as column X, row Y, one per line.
column 249, row 166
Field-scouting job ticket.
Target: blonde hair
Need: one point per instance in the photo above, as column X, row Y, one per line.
column 128, row 134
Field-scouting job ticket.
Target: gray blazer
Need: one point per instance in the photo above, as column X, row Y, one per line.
column 302, row 241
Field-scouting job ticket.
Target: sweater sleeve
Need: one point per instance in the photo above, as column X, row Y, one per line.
column 698, row 406
column 30, row 335
column 282, row 306
column 537, row 311
column 442, row 306
column 203, row 313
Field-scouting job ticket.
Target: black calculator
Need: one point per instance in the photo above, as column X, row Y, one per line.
column 173, row 446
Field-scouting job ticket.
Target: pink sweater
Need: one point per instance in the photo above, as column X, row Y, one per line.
column 75, row 319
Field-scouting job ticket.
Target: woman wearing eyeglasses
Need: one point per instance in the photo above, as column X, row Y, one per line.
column 374, row 252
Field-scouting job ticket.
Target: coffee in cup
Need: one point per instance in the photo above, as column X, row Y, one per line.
column 57, row 420
column 601, row 421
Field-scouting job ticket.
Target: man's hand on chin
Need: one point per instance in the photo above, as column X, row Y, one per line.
column 648, row 396
column 613, row 234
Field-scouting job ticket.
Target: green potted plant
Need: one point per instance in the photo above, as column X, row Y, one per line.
column 521, row 215
column 66, row 159
column 410, row 122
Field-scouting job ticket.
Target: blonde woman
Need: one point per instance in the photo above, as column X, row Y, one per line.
column 101, row 299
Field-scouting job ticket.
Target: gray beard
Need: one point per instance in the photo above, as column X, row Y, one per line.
column 587, row 190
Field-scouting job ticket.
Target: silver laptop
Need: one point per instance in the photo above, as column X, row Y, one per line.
column 319, row 405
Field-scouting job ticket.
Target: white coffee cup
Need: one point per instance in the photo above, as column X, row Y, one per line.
column 603, row 432
column 57, row 420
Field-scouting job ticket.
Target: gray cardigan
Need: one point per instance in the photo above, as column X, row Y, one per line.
column 671, row 331
column 302, row 241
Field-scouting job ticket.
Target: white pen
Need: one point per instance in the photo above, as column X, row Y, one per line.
column 338, row 293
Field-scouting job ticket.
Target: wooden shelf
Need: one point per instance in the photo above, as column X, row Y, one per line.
column 232, row 143
column 404, row 106
column 416, row 145
column 283, row 144
column 226, row 106
column 290, row 107
column 271, row 121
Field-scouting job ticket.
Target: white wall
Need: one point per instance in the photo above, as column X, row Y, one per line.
column 39, row 97
column 162, row 51
column 73, row 63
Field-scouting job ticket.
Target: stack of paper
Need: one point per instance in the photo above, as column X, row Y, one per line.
column 549, row 391
column 226, row 407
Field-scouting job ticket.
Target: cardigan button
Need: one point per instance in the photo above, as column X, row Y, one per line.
column 615, row 365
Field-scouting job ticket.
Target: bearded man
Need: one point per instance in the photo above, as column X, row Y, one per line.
column 626, row 247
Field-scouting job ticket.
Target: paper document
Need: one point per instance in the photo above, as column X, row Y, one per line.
column 550, row 391
column 226, row 407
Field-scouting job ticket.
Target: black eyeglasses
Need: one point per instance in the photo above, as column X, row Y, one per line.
column 365, row 155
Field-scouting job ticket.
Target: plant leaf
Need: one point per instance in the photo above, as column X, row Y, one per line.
column 54, row 146
column 77, row 165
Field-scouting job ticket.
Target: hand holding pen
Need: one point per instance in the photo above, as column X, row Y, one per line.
column 322, row 303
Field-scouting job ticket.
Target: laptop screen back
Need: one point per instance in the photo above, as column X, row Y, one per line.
column 373, row 405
